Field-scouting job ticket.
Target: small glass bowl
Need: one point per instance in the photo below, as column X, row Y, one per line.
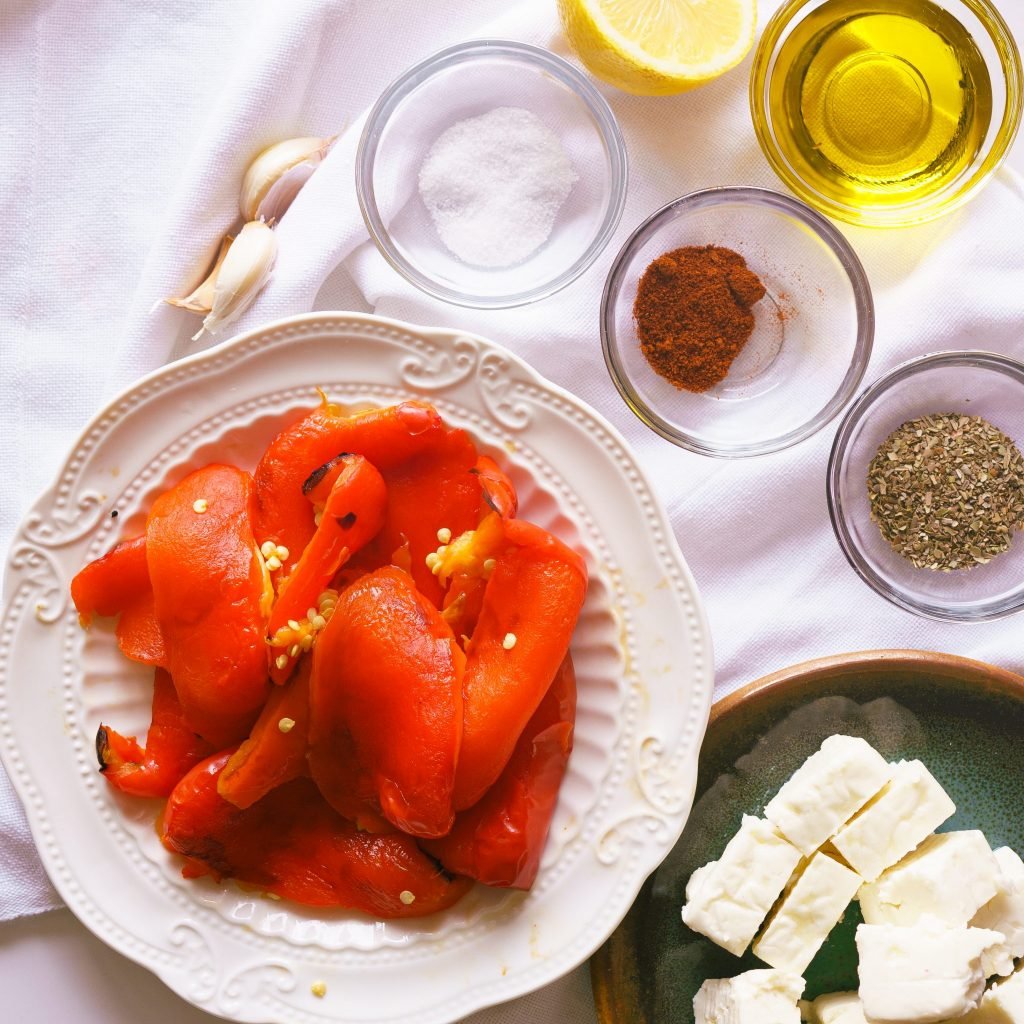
column 465, row 81
column 975, row 383
column 812, row 331
column 1002, row 61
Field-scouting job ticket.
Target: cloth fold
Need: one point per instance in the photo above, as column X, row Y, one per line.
column 129, row 128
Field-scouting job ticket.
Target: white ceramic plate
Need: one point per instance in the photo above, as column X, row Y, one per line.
column 642, row 654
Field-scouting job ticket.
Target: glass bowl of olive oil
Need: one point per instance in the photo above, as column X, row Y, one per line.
column 886, row 112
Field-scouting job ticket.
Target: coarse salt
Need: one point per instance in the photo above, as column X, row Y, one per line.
column 494, row 184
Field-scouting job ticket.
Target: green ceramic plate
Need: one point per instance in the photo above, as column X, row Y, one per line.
column 963, row 719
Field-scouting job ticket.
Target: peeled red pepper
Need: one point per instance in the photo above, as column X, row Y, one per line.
column 275, row 752
column 210, row 597
column 532, row 600
column 292, row 844
column 345, row 784
column 351, row 518
column 138, row 633
column 111, row 582
column 172, row 748
column 387, row 672
column 435, row 490
column 118, row 583
column 385, row 437
column 500, row 839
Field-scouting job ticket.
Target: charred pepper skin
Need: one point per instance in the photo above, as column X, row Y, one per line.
column 172, row 748
column 210, row 598
column 292, row 844
column 500, row 839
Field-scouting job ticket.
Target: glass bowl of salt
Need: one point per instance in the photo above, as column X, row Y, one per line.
column 491, row 174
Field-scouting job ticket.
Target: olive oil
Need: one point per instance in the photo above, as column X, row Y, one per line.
column 880, row 102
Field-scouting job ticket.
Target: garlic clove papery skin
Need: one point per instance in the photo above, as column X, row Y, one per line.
column 245, row 270
column 201, row 300
column 280, row 195
column 293, row 160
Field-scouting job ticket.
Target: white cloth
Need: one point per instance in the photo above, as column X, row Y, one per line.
column 127, row 127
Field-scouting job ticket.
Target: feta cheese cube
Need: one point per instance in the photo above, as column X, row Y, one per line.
column 757, row 997
column 1005, row 913
column 1003, row 1003
column 827, row 790
column 910, row 807
column 922, row 974
column 836, row 1008
column 808, row 912
column 949, row 876
column 728, row 899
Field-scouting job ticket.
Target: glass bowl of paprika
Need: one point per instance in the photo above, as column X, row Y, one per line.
column 736, row 321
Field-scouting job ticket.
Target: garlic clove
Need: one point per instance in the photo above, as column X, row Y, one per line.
column 280, row 195
column 201, row 300
column 294, row 159
column 245, row 270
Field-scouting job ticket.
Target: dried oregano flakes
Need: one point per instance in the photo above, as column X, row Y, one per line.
column 947, row 491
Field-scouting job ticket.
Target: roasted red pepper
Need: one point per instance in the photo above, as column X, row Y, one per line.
column 292, row 844
column 385, row 437
column 109, row 584
column 387, row 672
column 500, row 839
column 499, row 492
column 351, row 518
column 533, row 598
column 436, row 490
column 467, row 580
column 210, row 598
column 275, row 752
column 172, row 748
column 118, row 584
column 138, row 632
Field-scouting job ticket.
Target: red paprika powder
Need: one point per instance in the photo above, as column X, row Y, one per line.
column 693, row 314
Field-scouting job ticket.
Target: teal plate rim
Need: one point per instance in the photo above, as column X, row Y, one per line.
column 626, row 990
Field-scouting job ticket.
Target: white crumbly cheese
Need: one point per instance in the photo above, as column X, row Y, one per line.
column 949, row 876
column 910, row 807
column 923, row 974
column 757, row 997
column 808, row 912
column 1005, row 913
column 827, row 790
column 1002, row 1003
column 728, row 899
column 836, row 1008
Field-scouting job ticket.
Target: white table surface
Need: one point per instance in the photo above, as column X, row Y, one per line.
column 54, row 971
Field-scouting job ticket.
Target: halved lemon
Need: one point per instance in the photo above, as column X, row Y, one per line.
column 657, row 47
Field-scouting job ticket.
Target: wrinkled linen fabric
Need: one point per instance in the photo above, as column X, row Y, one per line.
column 127, row 128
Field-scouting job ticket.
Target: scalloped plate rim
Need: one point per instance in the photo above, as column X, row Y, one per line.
column 486, row 995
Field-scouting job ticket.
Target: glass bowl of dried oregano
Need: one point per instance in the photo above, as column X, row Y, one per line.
column 926, row 486
column 736, row 321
